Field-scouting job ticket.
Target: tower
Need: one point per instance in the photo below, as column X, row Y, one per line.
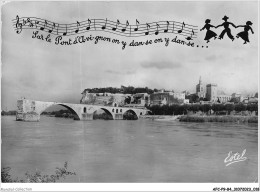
column 200, row 89
column 212, row 92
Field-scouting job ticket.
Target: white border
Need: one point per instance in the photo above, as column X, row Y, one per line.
column 125, row 186
column 128, row 186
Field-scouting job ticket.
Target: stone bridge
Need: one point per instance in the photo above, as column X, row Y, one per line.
column 30, row 110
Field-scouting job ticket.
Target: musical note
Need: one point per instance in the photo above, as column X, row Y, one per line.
column 148, row 26
column 137, row 23
column 65, row 33
column 42, row 28
column 114, row 28
column 18, row 25
column 157, row 31
column 104, row 27
column 190, row 38
column 166, row 30
column 77, row 30
column 124, row 29
column 53, row 26
column 88, row 25
column 183, row 25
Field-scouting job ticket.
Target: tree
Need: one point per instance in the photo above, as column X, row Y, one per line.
column 240, row 107
column 193, row 98
column 252, row 107
column 218, row 107
column 229, row 107
column 128, row 100
column 234, row 100
column 206, row 108
column 37, row 177
column 195, row 107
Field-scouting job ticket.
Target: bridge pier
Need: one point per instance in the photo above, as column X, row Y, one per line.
column 118, row 116
column 26, row 111
column 87, row 116
column 29, row 116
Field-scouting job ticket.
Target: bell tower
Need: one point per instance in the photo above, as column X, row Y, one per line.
column 200, row 89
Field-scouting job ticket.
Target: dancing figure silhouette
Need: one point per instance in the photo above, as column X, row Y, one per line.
column 226, row 28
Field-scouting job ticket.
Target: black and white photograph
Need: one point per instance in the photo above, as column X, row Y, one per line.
column 129, row 92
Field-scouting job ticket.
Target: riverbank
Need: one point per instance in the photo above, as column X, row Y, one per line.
column 218, row 118
column 162, row 117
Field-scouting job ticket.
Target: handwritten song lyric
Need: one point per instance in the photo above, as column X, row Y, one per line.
column 65, row 41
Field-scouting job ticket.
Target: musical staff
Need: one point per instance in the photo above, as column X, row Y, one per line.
column 106, row 25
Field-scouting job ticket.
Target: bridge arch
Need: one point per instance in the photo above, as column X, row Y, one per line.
column 108, row 112
column 73, row 111
column 130, row 111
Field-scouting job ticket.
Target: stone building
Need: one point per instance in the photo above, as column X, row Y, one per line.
column 105, row 99
column 167, row 98
column 142, row 98
column 224, row 98
column 200, row 90
column 180, row 96
column 211, row 92
column 238, row 97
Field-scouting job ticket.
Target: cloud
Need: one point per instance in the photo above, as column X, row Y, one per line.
column 239, row 59
column 120, row 72
column 161, row 65
column 211, row 58
column 113, row 72
column 130, row 72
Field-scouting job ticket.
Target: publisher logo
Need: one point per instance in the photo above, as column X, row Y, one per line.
column 234, row 158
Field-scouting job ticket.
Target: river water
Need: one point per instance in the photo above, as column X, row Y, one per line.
column 130, row 151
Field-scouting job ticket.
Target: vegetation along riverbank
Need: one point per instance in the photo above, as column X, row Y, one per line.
column 219, row 118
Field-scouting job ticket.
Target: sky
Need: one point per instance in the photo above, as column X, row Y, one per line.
column 38, row 70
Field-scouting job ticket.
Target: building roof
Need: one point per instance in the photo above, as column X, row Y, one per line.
column 211, row 84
